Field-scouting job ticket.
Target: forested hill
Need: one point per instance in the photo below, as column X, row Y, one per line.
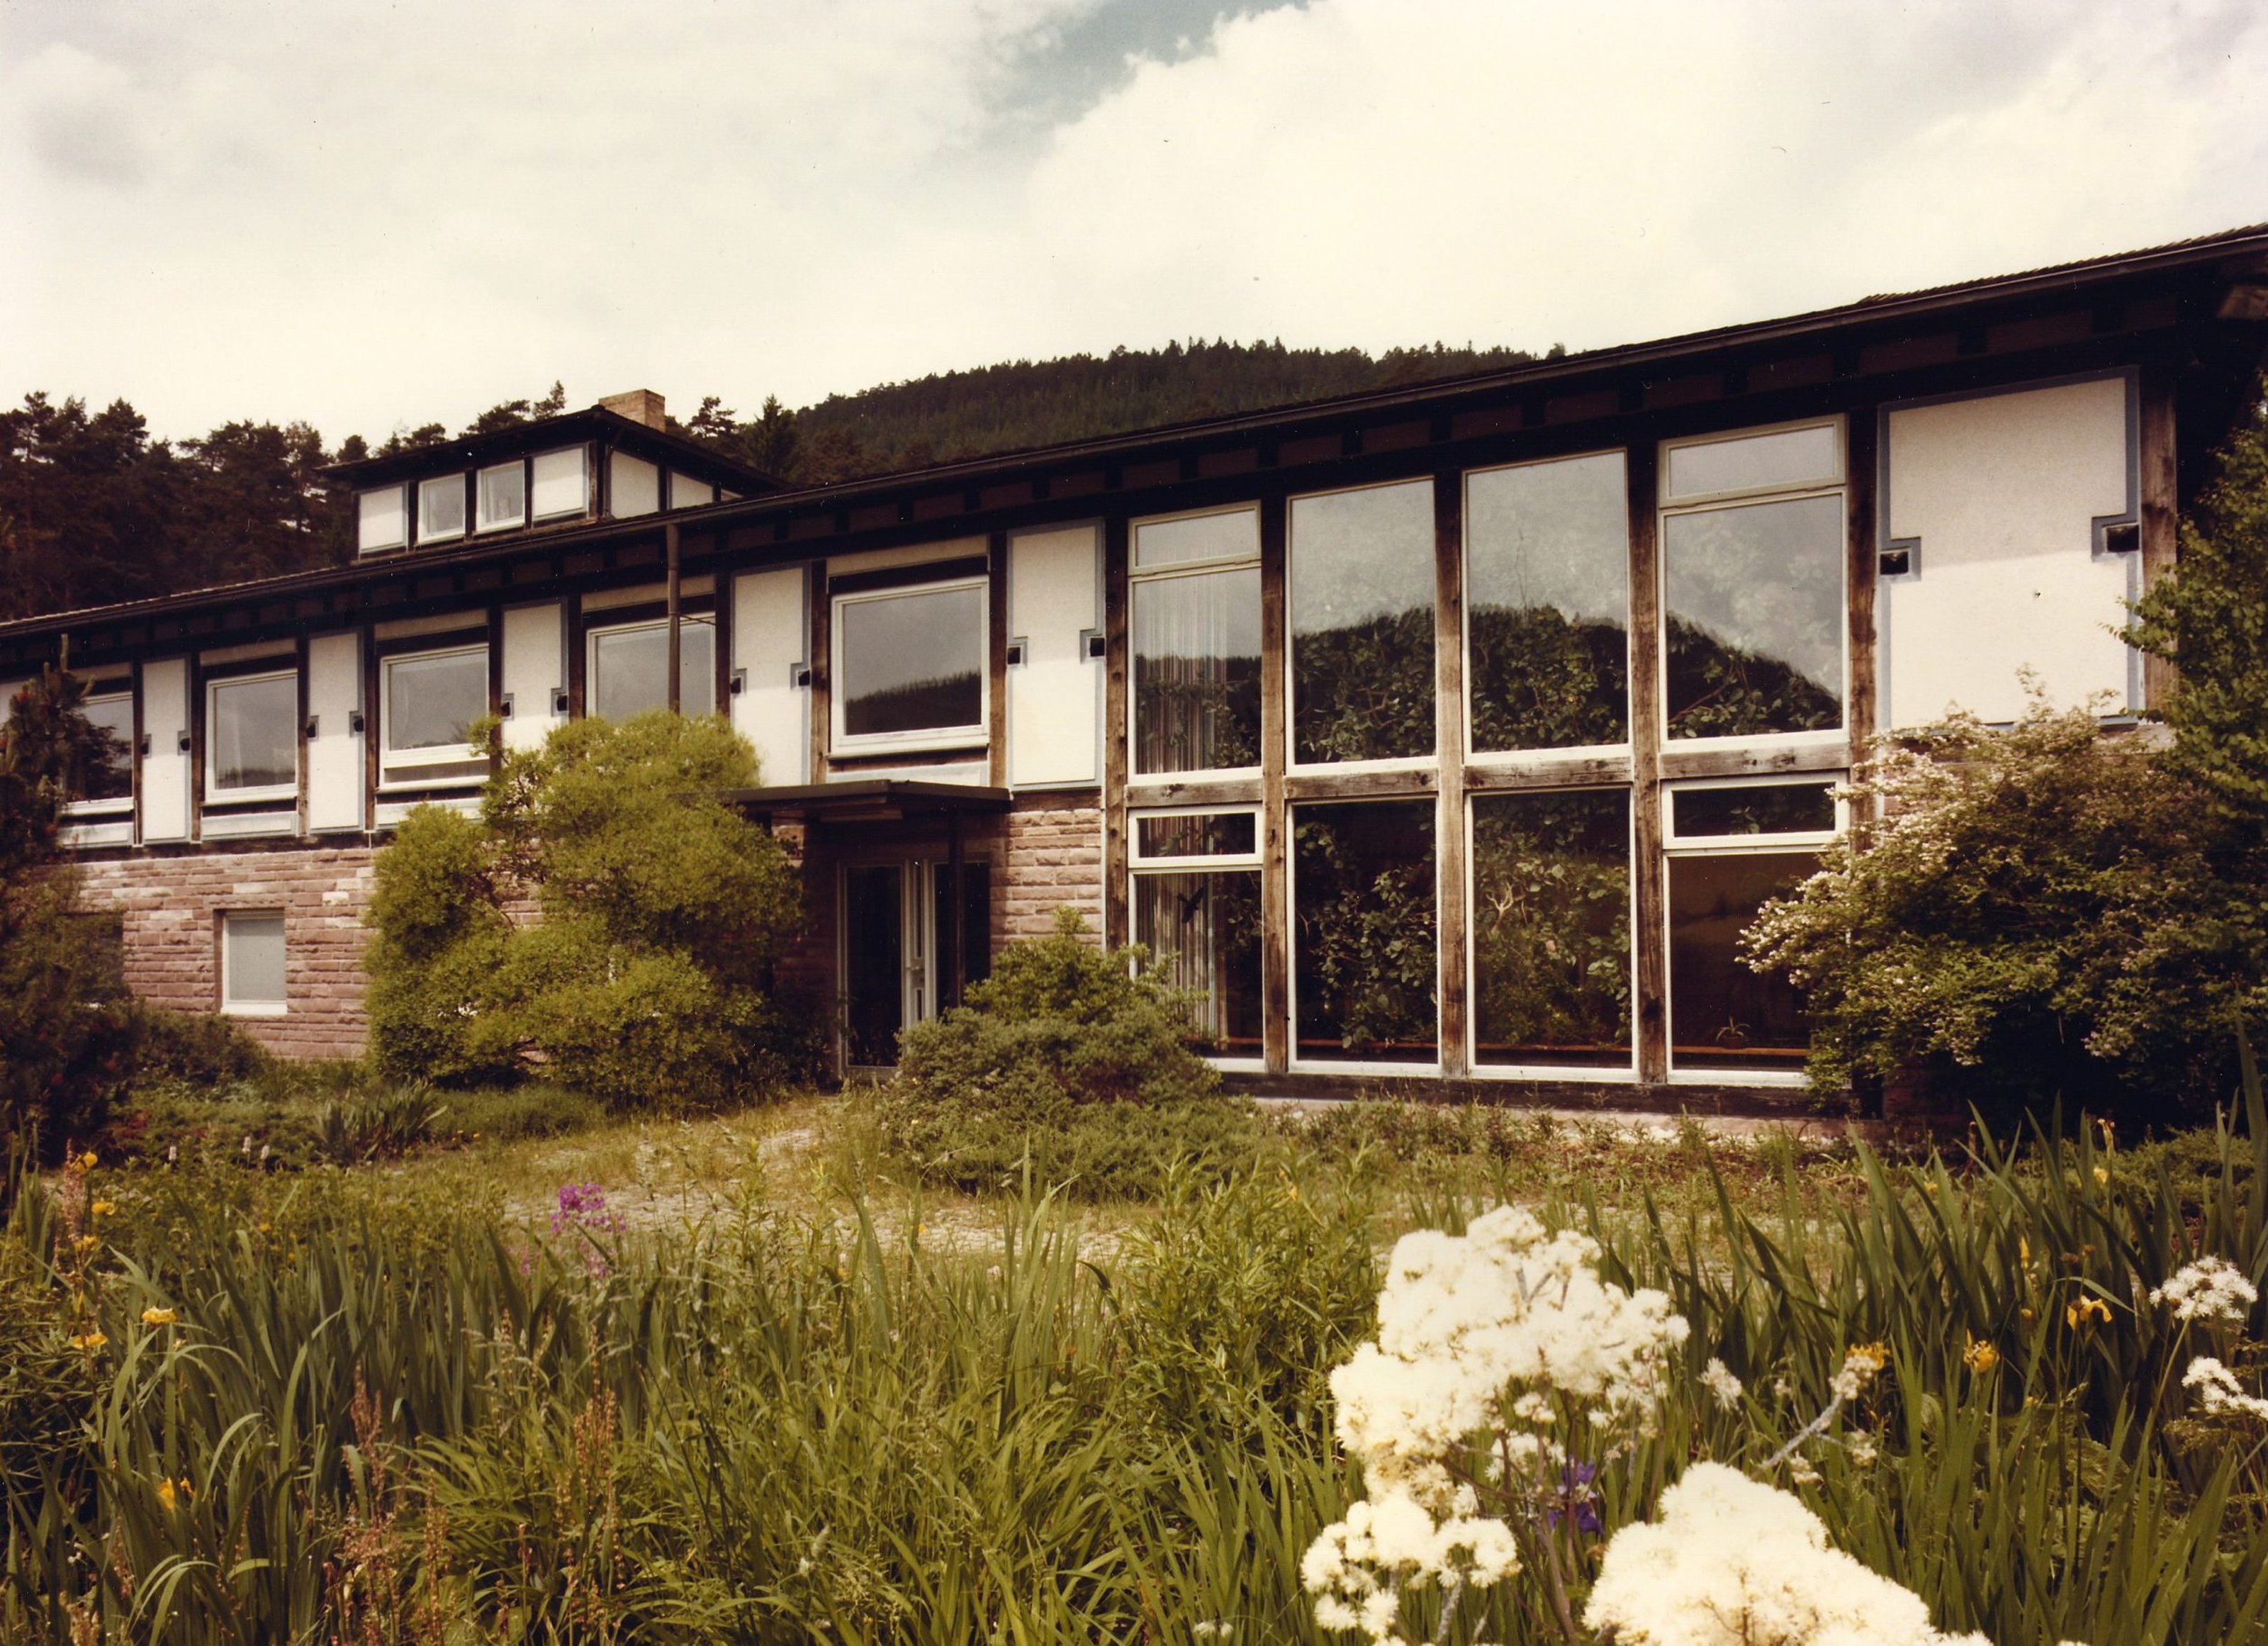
column 1044, row 402
column 94, row 509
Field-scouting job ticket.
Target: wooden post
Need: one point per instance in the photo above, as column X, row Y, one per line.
column 1649, row 880
column 2159, row 482
column 1861, row 447
column 1450, row 836
column 1116, row 921
column 1278, row 1034
column 822, row 656
column 956, row 975
column 995, row 662
column 669, row 554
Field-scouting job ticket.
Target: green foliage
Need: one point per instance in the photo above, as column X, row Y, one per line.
column 645, row 978
column 197, row 1048
column 1720, row 691
column 2043, row 914
column 1364, row 930
column 1551, row 938
column 66, row 1030
column 2210, row 617
column 1541, row 680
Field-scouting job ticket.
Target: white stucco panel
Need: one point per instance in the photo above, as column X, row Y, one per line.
column 1054, row 694
column 2001, row 494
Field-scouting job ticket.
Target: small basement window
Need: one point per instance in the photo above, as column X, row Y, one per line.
column 441, row 509
column 252, row 962
column 383, row 519
column 909, row 666
column 427, row 709
column 252, row 737
column 503, row 496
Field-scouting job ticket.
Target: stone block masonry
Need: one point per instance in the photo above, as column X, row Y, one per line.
column 171, row 908
column 1047, row 853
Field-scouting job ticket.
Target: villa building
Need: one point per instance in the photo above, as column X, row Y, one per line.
column 1445, row 735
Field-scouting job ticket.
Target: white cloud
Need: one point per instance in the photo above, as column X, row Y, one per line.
column 369, row 216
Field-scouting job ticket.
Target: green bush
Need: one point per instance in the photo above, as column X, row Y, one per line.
column 645, row 978
column 1072, row 1061
column 198, row 1048
column 2043, row 914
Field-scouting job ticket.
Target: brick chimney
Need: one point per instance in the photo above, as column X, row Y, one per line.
column 639, row 405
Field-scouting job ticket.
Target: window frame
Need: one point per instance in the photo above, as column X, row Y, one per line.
column 386, row 753
column 1579, row 1074
column 438, row 484
column 482, row 524
column 1712, row 502
column 230, row 1006
column 1289, row 685
column 110, row 690
column 975, row 735
column 595, row 632
column 1139, row 867
column 1211, row 566
column 214, row 684
column 1544, row 759
column 1805, row 844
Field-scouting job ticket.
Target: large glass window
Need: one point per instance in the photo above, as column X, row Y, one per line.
column 441, row 509
column 1551, row 929
column 909, row 666
column 252, row 962
column 1734, row 847
column 108, row 785
column 252, row 737
column 504, row 496
column 630, row 669
column 1365, row 966
column 1752, row 590
column 1362, row 624
column 1547, row 590
column 428, row 706
column 1196, row 632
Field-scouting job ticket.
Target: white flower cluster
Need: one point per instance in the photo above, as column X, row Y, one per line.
column 2211, row 1288
column 2218, row 1393
column 1489, row 1343
column 1734, row 1562
column 1718, row 1380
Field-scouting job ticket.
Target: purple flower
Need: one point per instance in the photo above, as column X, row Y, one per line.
column 1576, row 1499
column 582, row 1210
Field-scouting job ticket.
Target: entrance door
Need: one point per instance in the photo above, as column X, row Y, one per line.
column 897, row 960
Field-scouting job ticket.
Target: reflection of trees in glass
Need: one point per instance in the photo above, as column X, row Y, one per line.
column 1367, row 962
column 1754, row 612
column 1551, row 929
column 1366, row 691
column 1542, row 680
column 919, row 705
column 1719, row 690
column 1205, row 929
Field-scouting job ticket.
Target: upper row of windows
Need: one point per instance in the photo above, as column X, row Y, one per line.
column 525, row 491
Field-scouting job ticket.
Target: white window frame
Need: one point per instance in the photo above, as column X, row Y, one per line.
column 977, row 735
column 231, row 1006
column 1138, row 574
column 1793, row 843
column 592, row 637
column 1540, row 759
column 1295, row 1063
column 1139, row 867
column 1834, row 737
column 1398, row 762
column 582, row 503
column 425, row 533
column 121, row 805
column 1580, row 1073
column 400, row 539
column 389, row 758
column 517, row 466
column 215, row 794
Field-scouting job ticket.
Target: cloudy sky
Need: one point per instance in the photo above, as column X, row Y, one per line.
column 372, row 215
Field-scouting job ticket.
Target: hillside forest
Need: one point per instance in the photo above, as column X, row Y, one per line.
column 94, row 508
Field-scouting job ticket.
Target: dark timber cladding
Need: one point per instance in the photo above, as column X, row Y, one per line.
column 674, row 581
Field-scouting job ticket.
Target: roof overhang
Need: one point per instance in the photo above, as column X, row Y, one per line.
column 865, row 799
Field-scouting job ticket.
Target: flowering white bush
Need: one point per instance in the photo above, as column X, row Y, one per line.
column 1504, row 1364
column 2218, row 1393
column 1734, row 1562
column 2212, row 1288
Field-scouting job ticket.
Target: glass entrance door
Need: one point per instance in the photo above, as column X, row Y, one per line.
column 897, row 953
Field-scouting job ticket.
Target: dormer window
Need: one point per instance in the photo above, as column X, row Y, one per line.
column 384, row 520
column 562, row 485
column 503, row 496
column 441, row 509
